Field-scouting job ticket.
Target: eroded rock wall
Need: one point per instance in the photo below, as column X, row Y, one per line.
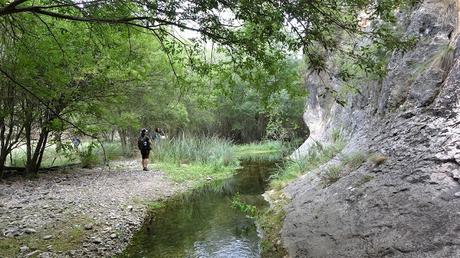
column 408, row 206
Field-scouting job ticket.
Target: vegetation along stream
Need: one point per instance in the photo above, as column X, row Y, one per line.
column 203, row 223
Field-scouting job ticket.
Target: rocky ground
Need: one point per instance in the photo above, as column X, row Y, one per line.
column 78, row 213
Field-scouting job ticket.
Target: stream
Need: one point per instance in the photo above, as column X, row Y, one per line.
column 203, row 223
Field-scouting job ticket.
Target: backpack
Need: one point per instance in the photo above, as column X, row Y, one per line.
column 144, row 143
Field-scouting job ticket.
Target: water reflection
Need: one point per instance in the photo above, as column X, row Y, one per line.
column 203, row 223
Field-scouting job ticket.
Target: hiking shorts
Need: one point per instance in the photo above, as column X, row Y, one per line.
column 145, row 154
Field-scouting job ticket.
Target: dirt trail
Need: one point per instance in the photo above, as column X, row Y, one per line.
column 78, row 213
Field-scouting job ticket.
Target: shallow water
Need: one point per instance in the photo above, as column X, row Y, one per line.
column 203, row 223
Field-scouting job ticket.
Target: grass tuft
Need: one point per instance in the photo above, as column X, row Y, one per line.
column 347, row 164
column 195, row 159
column 332, row 175
column 378, row 159
column 292, row 169
column 268, row 150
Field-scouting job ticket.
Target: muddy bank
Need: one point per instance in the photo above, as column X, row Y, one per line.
column 78, row 213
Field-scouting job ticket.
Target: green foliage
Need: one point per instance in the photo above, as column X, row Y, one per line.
column 316, row 156
column 331, row 175
column 195, row 159
column 355, row 159
column 187, row 149
column 271, row 223
column 271, row 150
column 88, row 156
column 347, row 164
column 284, row 114
column 155, row 205
column 248, row 209
column 73, row 66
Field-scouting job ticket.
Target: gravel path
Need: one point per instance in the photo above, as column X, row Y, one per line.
column 78, row 213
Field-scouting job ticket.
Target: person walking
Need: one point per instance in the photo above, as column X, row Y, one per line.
column 144, row 146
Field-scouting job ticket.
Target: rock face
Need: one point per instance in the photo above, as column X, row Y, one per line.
column 407, row 204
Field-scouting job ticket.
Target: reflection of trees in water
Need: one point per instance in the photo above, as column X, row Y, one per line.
column 204, row 221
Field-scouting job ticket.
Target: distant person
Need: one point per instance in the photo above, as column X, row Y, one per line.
column 76, row 142
column 144, row 146
column 158, row 135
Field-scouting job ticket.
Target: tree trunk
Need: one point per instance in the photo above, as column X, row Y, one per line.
column 28, row 134
column 124, row 141
column 35, row 159
column 3, row 157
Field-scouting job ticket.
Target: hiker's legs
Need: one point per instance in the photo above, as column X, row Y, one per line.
column 145, row 160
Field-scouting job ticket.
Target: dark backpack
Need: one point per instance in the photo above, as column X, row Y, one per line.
column 143, row 143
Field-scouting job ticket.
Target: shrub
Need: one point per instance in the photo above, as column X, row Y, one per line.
column 332, row 175
column 88, row 156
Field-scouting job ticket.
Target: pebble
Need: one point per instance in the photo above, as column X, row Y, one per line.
column 33, row 253
column 89, row 226
column 47, row 237
column 24, row 248
column 30, row 231
column 130, row 208
column 113, row 236
column 97, row 240
column 45, row 255
column 457, row 194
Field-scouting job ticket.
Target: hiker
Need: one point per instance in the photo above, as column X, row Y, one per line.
column 76, row 142
column 144, row 146
column 157, row 135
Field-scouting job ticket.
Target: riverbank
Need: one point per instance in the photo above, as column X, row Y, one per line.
column 95, row 212
column 78, row 213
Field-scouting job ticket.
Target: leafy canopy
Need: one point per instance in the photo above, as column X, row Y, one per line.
column 252, row 27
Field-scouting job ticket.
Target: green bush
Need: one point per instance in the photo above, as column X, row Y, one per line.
column 89, row 157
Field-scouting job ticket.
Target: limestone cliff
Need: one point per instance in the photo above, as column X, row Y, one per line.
column 409, row 205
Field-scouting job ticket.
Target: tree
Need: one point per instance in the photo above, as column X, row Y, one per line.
column 252, row 27
column 70, row 63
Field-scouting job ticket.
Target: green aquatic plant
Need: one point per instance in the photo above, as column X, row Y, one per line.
column 248, row 209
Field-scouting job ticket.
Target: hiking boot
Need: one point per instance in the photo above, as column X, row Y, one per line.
column 146, row 169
